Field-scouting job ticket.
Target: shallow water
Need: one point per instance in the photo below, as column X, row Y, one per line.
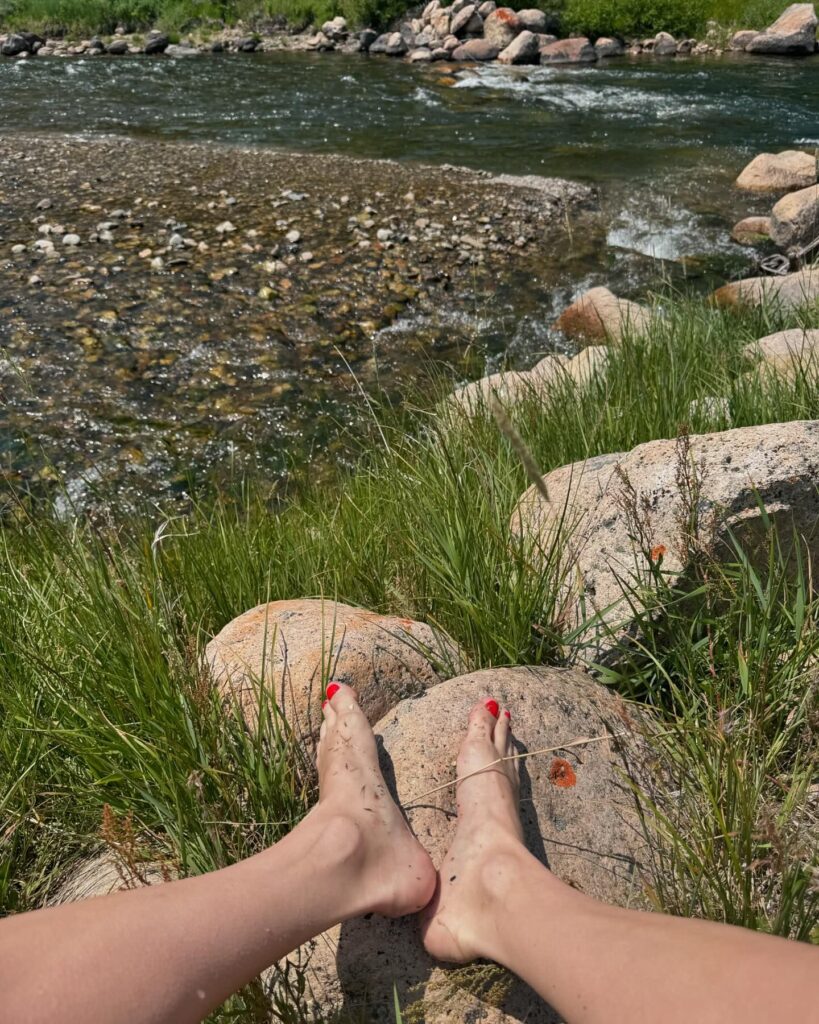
column 662, row 140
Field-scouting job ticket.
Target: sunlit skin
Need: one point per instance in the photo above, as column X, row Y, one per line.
column 170, row 954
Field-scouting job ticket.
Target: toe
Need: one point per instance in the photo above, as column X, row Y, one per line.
column 502, row 734
column 483, row 719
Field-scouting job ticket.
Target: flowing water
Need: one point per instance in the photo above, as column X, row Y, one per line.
column 661, row 141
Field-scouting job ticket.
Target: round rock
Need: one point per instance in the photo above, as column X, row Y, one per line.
column 295, row 647
column 589, row 834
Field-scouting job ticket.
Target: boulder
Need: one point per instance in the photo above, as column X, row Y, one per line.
column 294, row 647
column 751, row 230
column 366, row 38
column 501, row 27
column 486, row 8
column 568, row 51
column 599, row 500
column 157, row 42
column 423, row 55
column 779, row 172
column 789, row 354
column 599, row 313
column 794, row 31
column 396, row 45
column 533, row 19
column 118, row 48
column 686, row 46
column 13, row 45
column 787, row 292
column 524, row 49
column 179, row 50
column 739, row 40
column 588, row 833
column 467, row 22
column 476, row 50
column 103, row 874
column 795, row 218
column 336, row 29
column 320, row 43
column 665, row 45
column 606, row 47
column 589, row 362
column 250, row 44
column 431, row 8
column 441, row 21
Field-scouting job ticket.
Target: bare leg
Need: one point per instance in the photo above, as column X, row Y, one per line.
column 174, row 952
column 495, row 900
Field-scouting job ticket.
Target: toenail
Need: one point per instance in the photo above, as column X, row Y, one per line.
column 508, row 714
column 324, row 704
column 492, row 707
column 332, row 690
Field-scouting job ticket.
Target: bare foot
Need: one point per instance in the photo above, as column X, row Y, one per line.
column 390, row 869
column 488, row 843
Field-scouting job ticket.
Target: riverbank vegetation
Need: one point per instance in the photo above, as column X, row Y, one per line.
column 112, row 736
column 595, row 17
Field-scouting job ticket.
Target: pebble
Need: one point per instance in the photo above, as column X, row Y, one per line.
column 35, row 279
column 225, row 228
column 17, row 250
column 157, row 263
column 44, row 204
column 105, row 236
column 293, row 237
column 44, row 245
column 71, row 239
column 383, row 234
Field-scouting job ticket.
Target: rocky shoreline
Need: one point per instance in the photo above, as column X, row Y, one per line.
column 464, row 31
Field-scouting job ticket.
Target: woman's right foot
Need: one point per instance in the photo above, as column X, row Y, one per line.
column 488, row 846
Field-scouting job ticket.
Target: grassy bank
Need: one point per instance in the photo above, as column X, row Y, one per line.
column 103, row 701
column 596, row 17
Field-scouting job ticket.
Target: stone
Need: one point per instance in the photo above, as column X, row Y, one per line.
column 423, row 55
column 295, row 647
column 793, row 32
column 467, row 22
column 13, row 45
column 751, row 230
column 787, row 292
column 336, row 29
column 441, row 21
column 396, row 45
column 607, row 47
column 599, row 313
column 225, row 228
column 795, row 219
column 501, row 27
column 685, row 46
column 71, row 239
column 180, row 51
column 739, row 40
column 429, row 10
column 568, row 51
column 789, row 354
column 105, row 873
column 588, row 833
column 157, row 42
column 475, row 50
column 524, row 49
column 779, row 172
column 379, row 44
column 775, row 464
column 320, row 43
column 118, row 47
column 248, row 45
column 451, row 43
column 533, row 20
column 486, row 8
column 665, row 45
column 366, row 38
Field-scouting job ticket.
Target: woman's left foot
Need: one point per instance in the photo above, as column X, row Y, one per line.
column 393, row 870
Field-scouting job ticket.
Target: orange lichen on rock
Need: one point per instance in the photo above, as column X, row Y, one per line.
column 561, row 773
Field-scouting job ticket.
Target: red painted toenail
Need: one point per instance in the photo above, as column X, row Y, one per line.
column 332, row 690
column 508, row 714
column 324, row 704
column 492, row 707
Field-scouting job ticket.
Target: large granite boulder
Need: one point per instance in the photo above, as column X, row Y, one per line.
column 793, row 32
column 739, row 40
column 795, row 218
column 524, row 49
column 588, row 833
column 665, row 45
column 534, row 20
column 568, row 51
column 788, row 354
column 600, row 314
column 790, row 291
column 623, row 511
column 605, row 46
column 293, row 648
column 779, row 172
column 501, row 27
column 467, row 22
column 475, row 50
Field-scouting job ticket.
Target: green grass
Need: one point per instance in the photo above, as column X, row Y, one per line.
column 596, row 17
column 103, row 700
